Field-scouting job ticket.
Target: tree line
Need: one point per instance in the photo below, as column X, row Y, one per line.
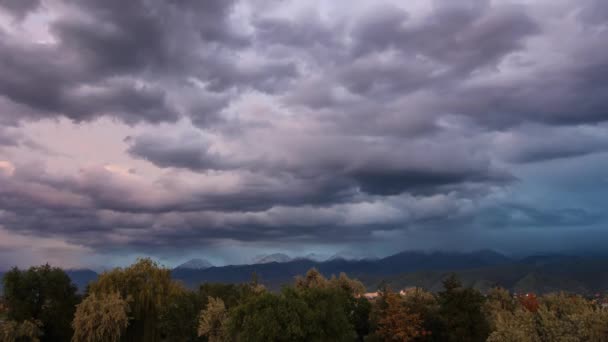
column 142, row 303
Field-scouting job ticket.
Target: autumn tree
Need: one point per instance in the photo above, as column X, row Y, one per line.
column 212, row 321
column 101, row 318
column 529, row 302
column 25, row 331
column 394, row 321
column 147, row 288
column 41, row 294
column 425, row 305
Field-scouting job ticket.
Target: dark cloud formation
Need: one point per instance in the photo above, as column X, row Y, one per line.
column 19, row 8
column 297, row 123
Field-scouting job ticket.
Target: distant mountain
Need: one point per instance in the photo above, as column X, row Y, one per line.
column 81, row 277
column 313, row 257
column 275, row 274
column 195, row 264
column 276, row 257
column 535, row 274
column 346, row 255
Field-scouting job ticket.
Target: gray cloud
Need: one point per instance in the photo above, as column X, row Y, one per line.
column 542, row 143
column 20, row 8
column 297, row 123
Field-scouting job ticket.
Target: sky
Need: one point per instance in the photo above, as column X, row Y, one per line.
column 225, row 129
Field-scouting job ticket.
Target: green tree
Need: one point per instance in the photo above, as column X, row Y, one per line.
column 231, row 294
column 45, row 294
column 461, row 312
column 563, row 317
column 179, row 320
column 303, row 314
column 212, row 321
column 101, row 318
column 361, row 317
column 353, row 287
column 147, row 288
column 312, row 279
column 358, row 308
column 513, row 326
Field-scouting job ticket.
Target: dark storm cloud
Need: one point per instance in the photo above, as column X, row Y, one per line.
column 302, row 125
column 189, row 152
column 19, row 8
column 519, row 215
column 448, row 44
column 98, row 205
column 123, row 59
column 383, row 168
column 53, row 83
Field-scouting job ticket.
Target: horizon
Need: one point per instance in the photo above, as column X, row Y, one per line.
column 227, row 129
column 317, row 259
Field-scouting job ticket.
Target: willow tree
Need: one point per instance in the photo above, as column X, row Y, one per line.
column 101, row 319
column 147, row 288
column 212, row 322
column 26, row 331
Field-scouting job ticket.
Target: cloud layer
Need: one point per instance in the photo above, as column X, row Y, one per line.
column 167, row 127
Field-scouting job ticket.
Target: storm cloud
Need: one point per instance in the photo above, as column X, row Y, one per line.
column 164, row 127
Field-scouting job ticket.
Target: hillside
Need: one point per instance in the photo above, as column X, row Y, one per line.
column 572, row 274
column 275, row 274
column 482, row 270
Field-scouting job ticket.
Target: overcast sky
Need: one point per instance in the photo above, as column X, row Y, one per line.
column 226, row 129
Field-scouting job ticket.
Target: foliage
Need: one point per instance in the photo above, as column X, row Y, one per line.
column 179, row 320
column 312, row 279
column 513, row 326
column 361, row 317
column 212, row 321
column 563, row 317
column 558, row 317
column 395, row 321
column 461, row 312
column 529, row 302
column 45, row 294
column 357, row 308
column 231, row 294
column 425, row 305
column 295, row 314
column 142, row 303
column 147, row 288
column 101, row 318
column 351, row 286
column 26, row 331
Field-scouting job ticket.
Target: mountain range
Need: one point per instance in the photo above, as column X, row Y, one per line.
column 480, row 269
column 195, row 264
column 274, row 274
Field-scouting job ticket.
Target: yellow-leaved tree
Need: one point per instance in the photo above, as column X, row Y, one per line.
column 102, row 318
